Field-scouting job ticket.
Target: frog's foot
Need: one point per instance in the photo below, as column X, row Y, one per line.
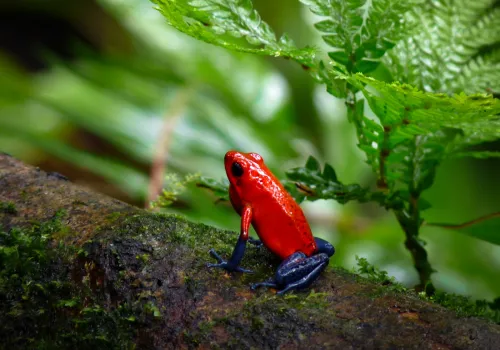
column 297, row 272
column 256, row 242
column 221, row 263
column 269, row 283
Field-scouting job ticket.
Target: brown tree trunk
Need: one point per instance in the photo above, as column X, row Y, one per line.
column 124, row 276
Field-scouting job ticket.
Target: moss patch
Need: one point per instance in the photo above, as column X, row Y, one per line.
column 8, row 208
column 142, row 281
column 39, row 295
column 462, row 305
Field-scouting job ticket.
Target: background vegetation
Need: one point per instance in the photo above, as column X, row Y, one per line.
column 104, row 91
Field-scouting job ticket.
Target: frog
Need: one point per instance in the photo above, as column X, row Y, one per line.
column 262, row 201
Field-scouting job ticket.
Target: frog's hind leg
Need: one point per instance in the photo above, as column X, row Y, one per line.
column 299, row 271
column 285, row 264
column 296, row 272
column 324, row 246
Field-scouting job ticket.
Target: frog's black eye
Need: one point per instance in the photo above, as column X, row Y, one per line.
column 237, row 169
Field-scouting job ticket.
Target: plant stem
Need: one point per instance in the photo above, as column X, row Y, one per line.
column 410, row 221
column 158, row 166
column 384, row 153
column 411, row 227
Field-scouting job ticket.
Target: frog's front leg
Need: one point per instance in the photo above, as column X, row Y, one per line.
column 239, row 249
column 299, row 271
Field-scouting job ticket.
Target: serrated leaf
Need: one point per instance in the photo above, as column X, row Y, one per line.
column 451, row 47
column 326, row 26
column 361, row 31
column 316, row 185
column 220, row 22
column 419, row 129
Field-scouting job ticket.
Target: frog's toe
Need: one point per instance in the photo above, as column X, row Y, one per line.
column 241, row 269
column 221, row 264
column 286, row 289
column 214, row 254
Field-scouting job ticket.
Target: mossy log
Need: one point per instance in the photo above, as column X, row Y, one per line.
column 138, row 279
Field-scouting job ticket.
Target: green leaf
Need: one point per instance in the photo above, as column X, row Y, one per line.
column 421, row 156
column 361, row 31
column 219, row 188
column 117, row 172
column 329, row 173
column 334, row 76
column 486, row 228
column 416, row 130
column 235, row 25
column 312, row 164
column 314, row 184
column 451, row 48
column 477, row 154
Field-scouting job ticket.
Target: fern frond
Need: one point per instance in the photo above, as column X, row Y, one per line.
column 226, row 22
column 493, row 55
column 417, row 126
column 477, row 154
column 446, row 46
column 479, row 72
column 360, row 31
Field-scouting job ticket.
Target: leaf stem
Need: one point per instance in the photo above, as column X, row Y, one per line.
column 465, row 224
column 353, row 114
column 384, row 153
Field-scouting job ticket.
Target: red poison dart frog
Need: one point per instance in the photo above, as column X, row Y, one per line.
column 261, row 200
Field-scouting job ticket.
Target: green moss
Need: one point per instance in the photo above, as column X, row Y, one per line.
column 465, row 306
column 152, row 308
column 8, row 208
column 462, row 305
column 114, row 216
column 143, row 257
column 201, row 335
column 165, row 228
column 199, row 238
column 39, row 296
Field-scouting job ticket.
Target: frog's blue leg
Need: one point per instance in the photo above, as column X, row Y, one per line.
column 269, row 283
column 299, row 271
column 239, row 249
column 234, row 262
column 272, row 282
column 324, row 246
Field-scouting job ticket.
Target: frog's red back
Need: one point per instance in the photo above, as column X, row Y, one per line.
column 276, row 217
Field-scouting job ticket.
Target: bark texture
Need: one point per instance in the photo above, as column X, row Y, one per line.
column 147, row 283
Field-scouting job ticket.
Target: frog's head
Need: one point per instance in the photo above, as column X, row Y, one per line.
column 243, row 168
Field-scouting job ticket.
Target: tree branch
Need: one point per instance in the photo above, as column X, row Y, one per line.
column 148, row 285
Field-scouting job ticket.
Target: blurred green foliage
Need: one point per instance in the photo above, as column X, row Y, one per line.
column 235, row 100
